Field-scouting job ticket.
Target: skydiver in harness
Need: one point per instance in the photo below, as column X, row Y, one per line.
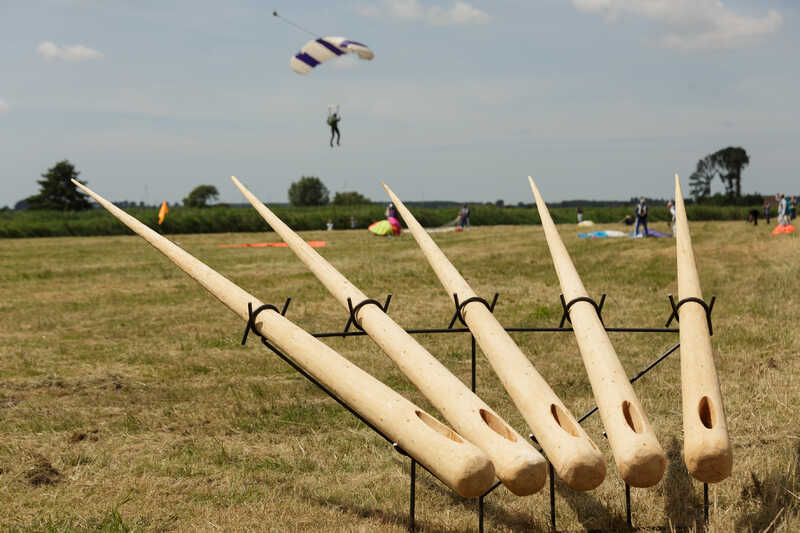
column 333, row 121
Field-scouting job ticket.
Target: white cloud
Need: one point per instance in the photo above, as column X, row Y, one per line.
column 692, row 24
column 74, row 52
column 3, row 107
column 457, row 13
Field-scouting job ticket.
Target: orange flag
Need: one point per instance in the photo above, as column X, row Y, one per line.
column 162, row 213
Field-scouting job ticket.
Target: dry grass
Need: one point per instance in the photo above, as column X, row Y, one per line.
column 127, row 403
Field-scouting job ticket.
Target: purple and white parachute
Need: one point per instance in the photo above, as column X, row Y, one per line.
column 325, row 48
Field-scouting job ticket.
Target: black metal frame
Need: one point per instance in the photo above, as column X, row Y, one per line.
column 459, row 306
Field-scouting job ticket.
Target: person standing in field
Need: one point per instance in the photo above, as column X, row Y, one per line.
column 782, row 211
column 641, row 218
column 463, row 215
column 753, row 216
column 766, row 210
column 671, row 208
column 792, row 208
column 580, row 215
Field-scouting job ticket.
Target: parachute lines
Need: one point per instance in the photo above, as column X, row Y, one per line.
column 287, row 21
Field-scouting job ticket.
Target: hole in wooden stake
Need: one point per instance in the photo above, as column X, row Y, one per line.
column 563, row 420
column 632, row 416
column 499, row 427
column 439, row 427
column 704, row 410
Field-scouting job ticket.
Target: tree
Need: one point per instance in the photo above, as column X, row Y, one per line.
column 200, row 196
column 308, row 190
column 350, row 198
column 56, row 191
column 700, row 180
column 727, row 164
column 731, row 161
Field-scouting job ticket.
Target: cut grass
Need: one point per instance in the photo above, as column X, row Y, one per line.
column 128, row 380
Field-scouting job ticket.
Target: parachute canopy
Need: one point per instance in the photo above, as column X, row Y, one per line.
column 325, row 48
column 606, row 234
column 786, row 228
column 388, row 226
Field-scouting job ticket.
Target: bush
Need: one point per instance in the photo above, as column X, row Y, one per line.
column 350, row 198
column 308, row 191
column 28, row 223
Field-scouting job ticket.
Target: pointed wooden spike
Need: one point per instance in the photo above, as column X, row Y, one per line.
column 516, row 462
column 706, row 447
column 574, row 456
column 639, row 457
column 224, row 290
column 459, row 464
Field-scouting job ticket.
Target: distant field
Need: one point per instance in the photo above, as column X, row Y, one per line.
column 128, row 404
column 20, row 224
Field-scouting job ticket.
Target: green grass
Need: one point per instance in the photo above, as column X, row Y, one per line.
column 129, row 381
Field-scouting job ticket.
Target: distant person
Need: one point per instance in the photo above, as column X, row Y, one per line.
column 628, row 220
column 580, row 215
column 753, row 216
column 671, row 208
column 463, row 215
column 766, row 210
column 783, row 211
column 391, row 211
column 792, row 208
column 329, row 225
column 641, row 218
column 333, row 122
column 352, row 222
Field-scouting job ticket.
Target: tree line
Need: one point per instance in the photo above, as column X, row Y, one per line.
column 56, row 192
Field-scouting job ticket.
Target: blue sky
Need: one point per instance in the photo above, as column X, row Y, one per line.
column 601, row 99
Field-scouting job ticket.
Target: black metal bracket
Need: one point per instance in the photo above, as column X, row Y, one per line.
column 354, row 310
column 460, row 307
column 251, row 317
column 707, row 307
column 567, row 305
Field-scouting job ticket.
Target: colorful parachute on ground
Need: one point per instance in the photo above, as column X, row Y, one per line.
column 651, row 233
column 389, row 226
column 325, row 48
column 602, row 234
column 786, row 228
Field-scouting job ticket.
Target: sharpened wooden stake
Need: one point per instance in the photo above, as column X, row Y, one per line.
column 516, row 462
column 574, row 456
column 639, row 457
column 706, row 447
column 459, row 464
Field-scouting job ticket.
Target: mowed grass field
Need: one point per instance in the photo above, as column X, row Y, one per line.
column 128, row 404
